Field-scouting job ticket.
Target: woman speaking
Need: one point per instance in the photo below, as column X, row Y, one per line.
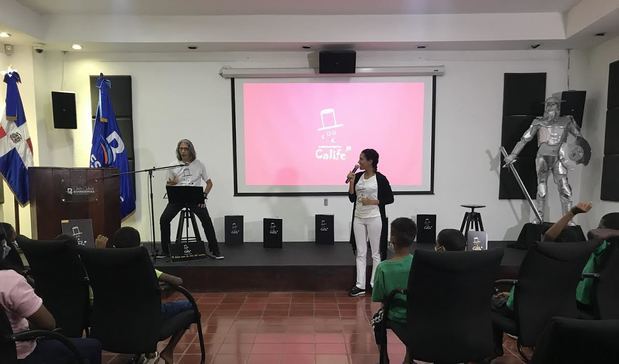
column 369, row 191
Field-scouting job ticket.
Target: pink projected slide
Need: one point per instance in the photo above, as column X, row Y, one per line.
column 311, row 134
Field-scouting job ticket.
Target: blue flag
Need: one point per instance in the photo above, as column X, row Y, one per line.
column 108, row 149
column 15, row 143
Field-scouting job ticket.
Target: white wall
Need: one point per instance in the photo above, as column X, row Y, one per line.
column 182, row 96
column 591, row 73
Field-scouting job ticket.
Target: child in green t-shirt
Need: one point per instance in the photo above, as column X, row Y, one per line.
column 393, row 274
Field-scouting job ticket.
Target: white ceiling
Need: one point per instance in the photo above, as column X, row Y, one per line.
column 299, row 7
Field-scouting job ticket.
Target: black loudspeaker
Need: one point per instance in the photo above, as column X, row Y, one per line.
column 512, row 130
column 573, row 104
column 272, row 233
column 324, row 229
column 234, row 229
column 613, row 86
column 63, row 109
column 337, row 61
column 610, row 178
column 524, row 93
column 426, row 229
column 611, row 146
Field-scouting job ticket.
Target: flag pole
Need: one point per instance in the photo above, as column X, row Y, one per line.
column 16, row 204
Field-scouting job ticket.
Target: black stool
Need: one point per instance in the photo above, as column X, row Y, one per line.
column 186, row 216
column 471, row 219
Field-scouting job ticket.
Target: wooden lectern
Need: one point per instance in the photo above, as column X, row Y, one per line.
column 73, row 193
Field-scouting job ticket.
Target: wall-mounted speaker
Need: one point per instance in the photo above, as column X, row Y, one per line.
column 63, row 110
column 337, row 61
column 573, row 104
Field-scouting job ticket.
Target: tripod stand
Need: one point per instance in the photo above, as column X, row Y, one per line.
column 151, row 209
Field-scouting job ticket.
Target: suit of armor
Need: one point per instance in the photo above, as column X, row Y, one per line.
column 552, row 131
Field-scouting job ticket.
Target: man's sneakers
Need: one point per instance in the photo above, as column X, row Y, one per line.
column 214, row 252
column 356, row 292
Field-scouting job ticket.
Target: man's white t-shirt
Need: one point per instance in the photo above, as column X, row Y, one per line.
column 191, row 174
column 366, row 188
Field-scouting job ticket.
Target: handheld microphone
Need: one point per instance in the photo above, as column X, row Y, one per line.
column 353, row 171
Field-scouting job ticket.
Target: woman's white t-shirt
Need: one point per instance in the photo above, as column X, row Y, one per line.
column 366, row 188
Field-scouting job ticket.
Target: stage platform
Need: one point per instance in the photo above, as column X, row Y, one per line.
column 298, row 266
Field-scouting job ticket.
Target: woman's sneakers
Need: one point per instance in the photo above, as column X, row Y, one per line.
column 356, row 292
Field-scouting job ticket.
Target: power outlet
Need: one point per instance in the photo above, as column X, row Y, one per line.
column 326, row 202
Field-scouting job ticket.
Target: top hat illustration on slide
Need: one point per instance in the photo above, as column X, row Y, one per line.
column 327, row 117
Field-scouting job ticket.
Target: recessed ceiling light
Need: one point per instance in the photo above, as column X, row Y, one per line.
column 421, row 47
column 600, row 34
column 77, row 47
column 5, row 35
column 192, row 47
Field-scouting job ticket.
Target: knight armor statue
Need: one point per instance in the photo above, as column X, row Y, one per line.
column 553, row 152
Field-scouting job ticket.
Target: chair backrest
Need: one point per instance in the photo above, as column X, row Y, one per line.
column 574, row 341
column 449, row 305
column 606, row 288
column 8, row 351
column 546, row 286
column 60, row 280
column 126, row 313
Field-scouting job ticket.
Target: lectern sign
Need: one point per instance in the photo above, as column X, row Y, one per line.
column 79, row 194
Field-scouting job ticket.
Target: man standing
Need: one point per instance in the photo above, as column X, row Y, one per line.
column 192, row 173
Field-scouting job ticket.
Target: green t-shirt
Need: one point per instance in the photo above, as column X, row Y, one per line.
column 392, row 274
column 583, row 290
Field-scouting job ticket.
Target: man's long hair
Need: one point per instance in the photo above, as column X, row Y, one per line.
column 192, row 150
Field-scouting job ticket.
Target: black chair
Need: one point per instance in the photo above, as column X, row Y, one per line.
column 61, row 281
column 448, row 306
column 8, row 352
column 546, row 287
column 606, row 285
column 573, row 341
column 126, row 315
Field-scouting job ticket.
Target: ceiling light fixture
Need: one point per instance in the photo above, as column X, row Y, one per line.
column 421, row 47
column 5, row 35
column 600, row 34
column 535, row 46
column 76, row 47
column 306, row 47
column 192, row 47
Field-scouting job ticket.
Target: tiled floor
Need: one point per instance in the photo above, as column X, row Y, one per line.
column 288, row 327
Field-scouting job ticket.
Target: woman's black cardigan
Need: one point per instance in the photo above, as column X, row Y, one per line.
column 385, row 197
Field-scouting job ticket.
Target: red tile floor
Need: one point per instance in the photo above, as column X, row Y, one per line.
column 288, row 327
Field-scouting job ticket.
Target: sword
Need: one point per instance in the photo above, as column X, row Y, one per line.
column 521, row 184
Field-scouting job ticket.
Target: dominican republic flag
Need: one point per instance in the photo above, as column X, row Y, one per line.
column 108, row 149
column 15, row 144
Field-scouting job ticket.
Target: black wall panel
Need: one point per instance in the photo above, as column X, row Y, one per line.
column 610, row 178
column 610, row 167
column 613, row 85
column 523, row 100
column 524, row 93
column 611, row 140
